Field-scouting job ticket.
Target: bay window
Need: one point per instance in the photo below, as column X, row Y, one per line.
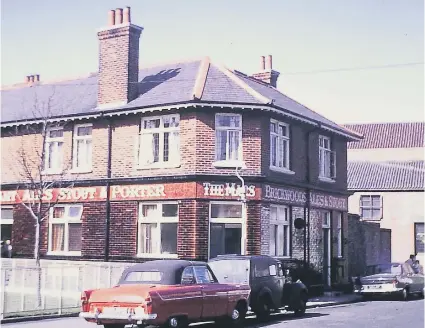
column 65, row 229
column 279, row 145
column 82, row 148
column 53, row 153
column 226, row 228
column 228, row 137
column 327, row 159
column 157, row 229
column 280, row 231
column 159, row 141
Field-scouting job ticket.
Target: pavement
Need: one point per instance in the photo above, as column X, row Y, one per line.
column 320, row 301
column 374, row 314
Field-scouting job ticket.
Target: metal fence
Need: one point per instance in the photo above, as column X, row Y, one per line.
column 61, row 284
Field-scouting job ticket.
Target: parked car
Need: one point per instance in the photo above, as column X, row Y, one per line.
column 397, row 279
column 270, row 291
column 169, row 293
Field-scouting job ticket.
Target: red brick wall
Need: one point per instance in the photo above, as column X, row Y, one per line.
column 254, row 228
column 93, row 230
column 186, row 240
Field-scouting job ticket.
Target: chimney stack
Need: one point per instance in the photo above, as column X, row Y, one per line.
column 31, row 79
column 118, row 60
column 267, row 74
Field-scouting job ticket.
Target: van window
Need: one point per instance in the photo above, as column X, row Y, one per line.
column 261, row 269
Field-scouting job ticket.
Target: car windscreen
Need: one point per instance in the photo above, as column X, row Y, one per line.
column 143, row 277
column 387, row 268
column 231, row 271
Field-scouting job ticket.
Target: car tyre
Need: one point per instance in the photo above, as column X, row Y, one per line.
column 264, row 308
column 177, row 322
column 302, row 307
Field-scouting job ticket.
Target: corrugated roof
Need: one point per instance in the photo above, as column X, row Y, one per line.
column 391, row 175
column 388, row 135
column 162, row 85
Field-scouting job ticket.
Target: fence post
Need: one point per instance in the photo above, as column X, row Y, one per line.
column 22, row 287
column 60, row 289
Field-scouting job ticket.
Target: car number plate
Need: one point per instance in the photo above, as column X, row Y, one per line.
column 115, row 310
column 374, row 287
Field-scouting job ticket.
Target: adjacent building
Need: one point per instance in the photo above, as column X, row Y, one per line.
column 188, row 159
column 386, row 173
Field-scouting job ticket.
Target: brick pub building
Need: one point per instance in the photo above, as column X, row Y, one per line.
column 153, row 154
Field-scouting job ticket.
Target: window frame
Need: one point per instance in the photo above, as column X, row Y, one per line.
column 75, row 139
column 227, row 162
column 287, row 139
column 323, row 151
column 47, row 154
column 240, row 221
column 6, row 221
column 371, row 207
column 157, row 220
column 161, row 130
column 340, row 235
column 415, row 229
column 66, row 220
column 281, row 222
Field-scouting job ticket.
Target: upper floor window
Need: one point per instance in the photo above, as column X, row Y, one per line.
column 65, row 230
column 82, row 148
column 279, row 145
column 371, row 207
column 159, row 141
column 54, row 149
column 228, row 137
column 279, row 231
column 327, row 159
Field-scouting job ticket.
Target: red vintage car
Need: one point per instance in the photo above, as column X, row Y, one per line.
column 173, row 293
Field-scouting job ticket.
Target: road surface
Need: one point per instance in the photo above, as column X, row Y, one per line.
column 375, row 314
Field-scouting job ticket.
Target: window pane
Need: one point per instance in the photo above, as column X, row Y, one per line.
column 74, row 238
column 152, row 124
column 273, row 150
column 285, row 240
column 232, row 121
column 84, row 131
column 58, row 212
column 75, row 212
column 376, row 201
column 226, row 210
column 147, row 244
column 149, row 211
column 170, row 210
column 273, row 233
column 155, row 147
column 203, row 275
column 283, row 130
column 188, row 276
column 169, row 238
column 6, row 213
column 234, row 145
column 376, row 213
column 419, row 237
column 166, row 146
column 56, row 133
column 216, row 239
column 365, row 201
column 232, row 238
column 221, row 141
column 366, row 213
column 58, row 237
column 273, row 213
column 273, row 127
column 6, row 231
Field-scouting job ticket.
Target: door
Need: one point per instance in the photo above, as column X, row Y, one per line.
column 278, row 280
column 214, row 295
column 327, row 256
column 188, row 296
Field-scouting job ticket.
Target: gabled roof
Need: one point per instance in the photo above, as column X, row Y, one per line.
column 197, row 81
column 386, row 176
column 388, row 135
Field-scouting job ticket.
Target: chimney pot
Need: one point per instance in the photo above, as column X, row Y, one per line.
column 262, row 63
column 28, row 79
column 118, row 16
column 31, row 78
column 269, row 62
column 126, row 15
column 111, row 18
column 37, row 77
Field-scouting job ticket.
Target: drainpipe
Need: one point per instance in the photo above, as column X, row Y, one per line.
column 108, row 187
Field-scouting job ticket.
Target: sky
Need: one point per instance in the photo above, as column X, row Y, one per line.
column 353, row 61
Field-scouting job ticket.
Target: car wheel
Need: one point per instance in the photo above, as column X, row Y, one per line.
column 264, row 308
column 177, row 322
column 238, row 315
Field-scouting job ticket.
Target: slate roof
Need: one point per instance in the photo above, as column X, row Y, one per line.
column 386, row 176
column 388, row 135
column 169, row 84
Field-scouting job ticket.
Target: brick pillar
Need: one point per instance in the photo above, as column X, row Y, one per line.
column 254, row 228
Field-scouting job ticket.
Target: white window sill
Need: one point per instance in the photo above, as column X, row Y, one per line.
column 81, row 170
column 229, row 164
column 157, row 255
column 159, row 165
column 281, row 170
column 52, row 172
column 280, row 256
column 76, row 253
column 326, row 179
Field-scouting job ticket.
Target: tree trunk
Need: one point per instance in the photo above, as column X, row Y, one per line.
column 37, row 262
